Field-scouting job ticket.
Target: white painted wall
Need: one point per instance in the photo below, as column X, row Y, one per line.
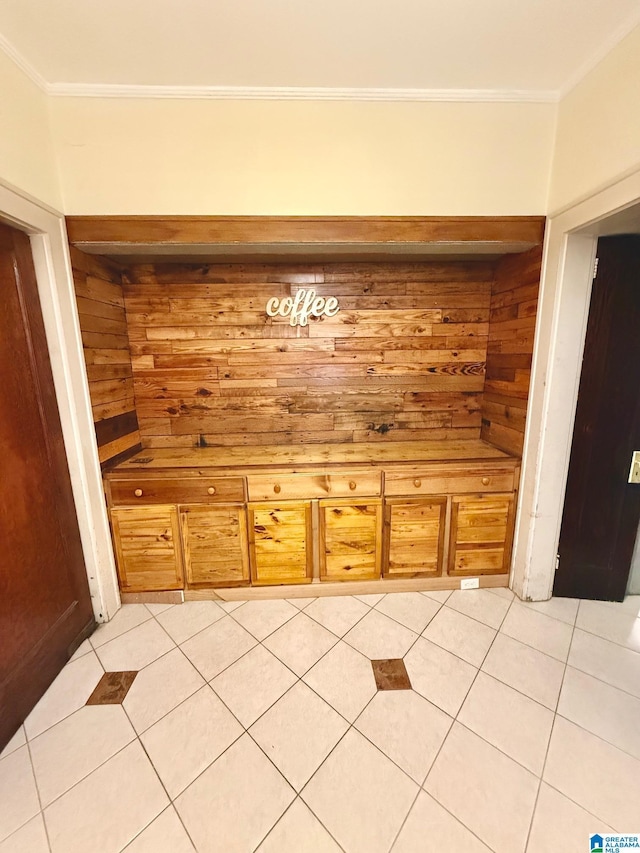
column 26, row 151
column 166, row 156
column 598, row 137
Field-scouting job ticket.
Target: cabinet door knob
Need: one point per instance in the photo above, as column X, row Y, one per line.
column 211, row 490
column 485, row 481
column 138, row 493
column 352, row 485
column 417, row 483
column 276, row 488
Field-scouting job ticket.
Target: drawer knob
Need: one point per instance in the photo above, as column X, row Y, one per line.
column 277, row 488
column 417, row 483
column 485, row 481
column 352, row 485
column 138, row 493
column 211, row 490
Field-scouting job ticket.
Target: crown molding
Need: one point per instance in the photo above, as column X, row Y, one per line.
column 302, row 93
column 274, row 93
column 23, row 64
column 605, row 48
column 290, row 93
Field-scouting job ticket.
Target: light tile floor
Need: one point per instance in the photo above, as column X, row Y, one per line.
column 258, row 727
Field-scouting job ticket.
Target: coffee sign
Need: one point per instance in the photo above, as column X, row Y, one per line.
column 303, row 305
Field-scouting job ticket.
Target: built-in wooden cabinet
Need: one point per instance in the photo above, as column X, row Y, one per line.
column 414, row 531
column 281, row 542
column 147, row 546
column 215, row 545
column 350, row 545
column 481, row 534
column 214, row 526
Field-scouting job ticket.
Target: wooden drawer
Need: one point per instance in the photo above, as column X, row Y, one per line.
column 443, row 481
column 265, row 487
column 179, row 490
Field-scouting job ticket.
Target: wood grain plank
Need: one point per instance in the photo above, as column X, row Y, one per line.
column 509, row 349
column 293, row 229
column 100, row 301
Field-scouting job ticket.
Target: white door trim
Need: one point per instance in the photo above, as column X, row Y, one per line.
column 46, row 228
column 565, row 291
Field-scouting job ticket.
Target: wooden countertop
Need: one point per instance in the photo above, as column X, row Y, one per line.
column 303, row 457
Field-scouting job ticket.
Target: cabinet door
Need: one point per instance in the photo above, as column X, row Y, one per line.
column 216, row 550
column 414, row 537
column 350, row 540
column 481, row 534
column 280, row 542
column 148, row 552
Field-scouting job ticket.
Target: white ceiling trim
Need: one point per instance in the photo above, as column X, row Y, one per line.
column 105, row 90
column 284, row 93
column 606, row 47
column 23, row 64
column 273, row 93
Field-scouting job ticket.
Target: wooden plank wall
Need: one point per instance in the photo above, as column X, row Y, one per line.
column 514, row 303
column 403, row 359
column 98, row 286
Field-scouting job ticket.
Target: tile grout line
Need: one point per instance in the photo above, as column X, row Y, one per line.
column 455, row 720
column 37, row 787
column 575, row 803
column 310, row 615
column 421, row 785
column 535, row 649
column 117, row 637
column 71, row 713
column 260, row 640
column 595, row 734
column 169, row 797
column 330, row 753
column 144, row 829
column 602, row 681
column 608, row 639
column 288, row 809
column 546, row 754
column 86, row 776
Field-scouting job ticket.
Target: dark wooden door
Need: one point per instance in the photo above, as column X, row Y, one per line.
column 45, row 607
column 602, row 509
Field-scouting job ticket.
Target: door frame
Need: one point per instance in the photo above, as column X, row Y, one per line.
column 565, row 292
column 46, row 229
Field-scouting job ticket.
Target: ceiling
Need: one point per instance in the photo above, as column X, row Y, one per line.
column 527, row 49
